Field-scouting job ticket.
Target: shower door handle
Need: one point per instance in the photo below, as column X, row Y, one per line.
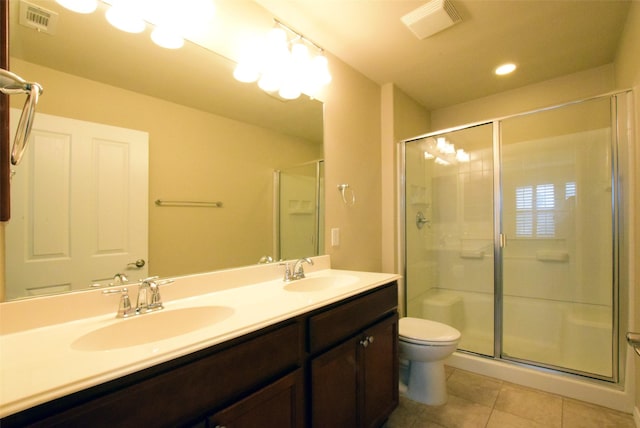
column 421, row 220
column 634, row 340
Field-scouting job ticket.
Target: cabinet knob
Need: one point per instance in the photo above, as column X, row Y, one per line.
column 366, row 341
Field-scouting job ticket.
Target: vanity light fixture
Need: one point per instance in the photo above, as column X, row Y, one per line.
column 443, row 152
column 505, row 69
column 79, row 6
column 284, row 62
column 170, row 19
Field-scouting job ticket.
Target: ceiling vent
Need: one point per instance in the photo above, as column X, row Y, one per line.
column 431, row 18
column 37, row 17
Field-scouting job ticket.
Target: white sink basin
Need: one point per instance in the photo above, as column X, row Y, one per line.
column 151, row 327
column 320, row 283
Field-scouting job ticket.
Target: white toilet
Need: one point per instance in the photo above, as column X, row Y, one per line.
column 425, row 344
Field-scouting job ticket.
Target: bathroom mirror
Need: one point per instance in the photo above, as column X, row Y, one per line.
column 211, row 138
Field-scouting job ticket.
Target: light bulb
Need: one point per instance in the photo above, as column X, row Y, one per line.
column 246, row 73
column 449, row 149
column 79, row 6
column 462, row 156
column 166, row 38
column 321, row 69
column 289, row 91
column 125, row 18
column 505, row 69
column 251, row 61
column 269, row 82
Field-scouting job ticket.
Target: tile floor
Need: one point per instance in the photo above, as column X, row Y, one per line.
column 480, row 401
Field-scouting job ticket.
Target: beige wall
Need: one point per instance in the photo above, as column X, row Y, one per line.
column 402, row 117
column 193, row 155
column 627, row 73
column 352, row 136
column 551, row 92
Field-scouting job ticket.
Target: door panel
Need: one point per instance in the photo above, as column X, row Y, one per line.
column 557, row 218
column 79, row 203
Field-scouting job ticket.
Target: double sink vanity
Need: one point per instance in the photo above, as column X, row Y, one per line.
column 239, row 347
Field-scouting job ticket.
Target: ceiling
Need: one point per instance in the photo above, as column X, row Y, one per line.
column 545, row 38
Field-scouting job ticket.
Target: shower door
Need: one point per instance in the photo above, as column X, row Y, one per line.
column 449, row 232
column 557, row 221
column 299, row 192
column 514, row 235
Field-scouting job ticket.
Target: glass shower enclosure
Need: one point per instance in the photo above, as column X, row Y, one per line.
column 299, row 211
column 511, row 235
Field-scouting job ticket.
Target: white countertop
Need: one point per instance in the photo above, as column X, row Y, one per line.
column 40, row 364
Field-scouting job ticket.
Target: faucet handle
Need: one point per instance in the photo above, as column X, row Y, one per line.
column 156, row 300
column 124, row 307
column 298, row 270
column 119, row 279
column 287, row 271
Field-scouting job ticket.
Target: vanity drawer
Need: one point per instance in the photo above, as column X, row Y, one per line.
column 334, row 325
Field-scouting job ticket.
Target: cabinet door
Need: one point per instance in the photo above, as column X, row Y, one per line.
column 334, row 378
column 379, row 361
column 277, row 405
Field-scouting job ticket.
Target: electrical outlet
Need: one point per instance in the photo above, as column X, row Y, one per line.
column 335, row 237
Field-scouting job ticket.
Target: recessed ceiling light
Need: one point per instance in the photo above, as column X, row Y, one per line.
column 505, row 69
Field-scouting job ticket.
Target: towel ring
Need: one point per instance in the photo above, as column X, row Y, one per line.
column 348, row 196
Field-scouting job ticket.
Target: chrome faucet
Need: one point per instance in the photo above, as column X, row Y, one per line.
column 149, row 298
column 287, row 272
column 119, row 279
column 298, row 271
column 265, row 260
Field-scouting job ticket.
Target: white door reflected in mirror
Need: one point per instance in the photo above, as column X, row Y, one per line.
column 73, row 227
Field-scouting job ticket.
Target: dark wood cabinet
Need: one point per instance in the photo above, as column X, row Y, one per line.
column 332, row 367
column 279, row 404
column 355, row 384
column 379, row 363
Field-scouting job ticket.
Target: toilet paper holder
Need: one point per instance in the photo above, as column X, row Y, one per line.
column 634, row 340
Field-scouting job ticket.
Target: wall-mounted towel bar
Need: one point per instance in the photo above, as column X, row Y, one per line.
column 202, row 204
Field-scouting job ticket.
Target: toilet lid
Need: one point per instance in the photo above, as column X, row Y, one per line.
column 420, row 330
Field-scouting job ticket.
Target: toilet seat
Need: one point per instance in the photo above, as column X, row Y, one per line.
column 426, row 332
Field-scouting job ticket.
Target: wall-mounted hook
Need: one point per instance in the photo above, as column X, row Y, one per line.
column 348, row 196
